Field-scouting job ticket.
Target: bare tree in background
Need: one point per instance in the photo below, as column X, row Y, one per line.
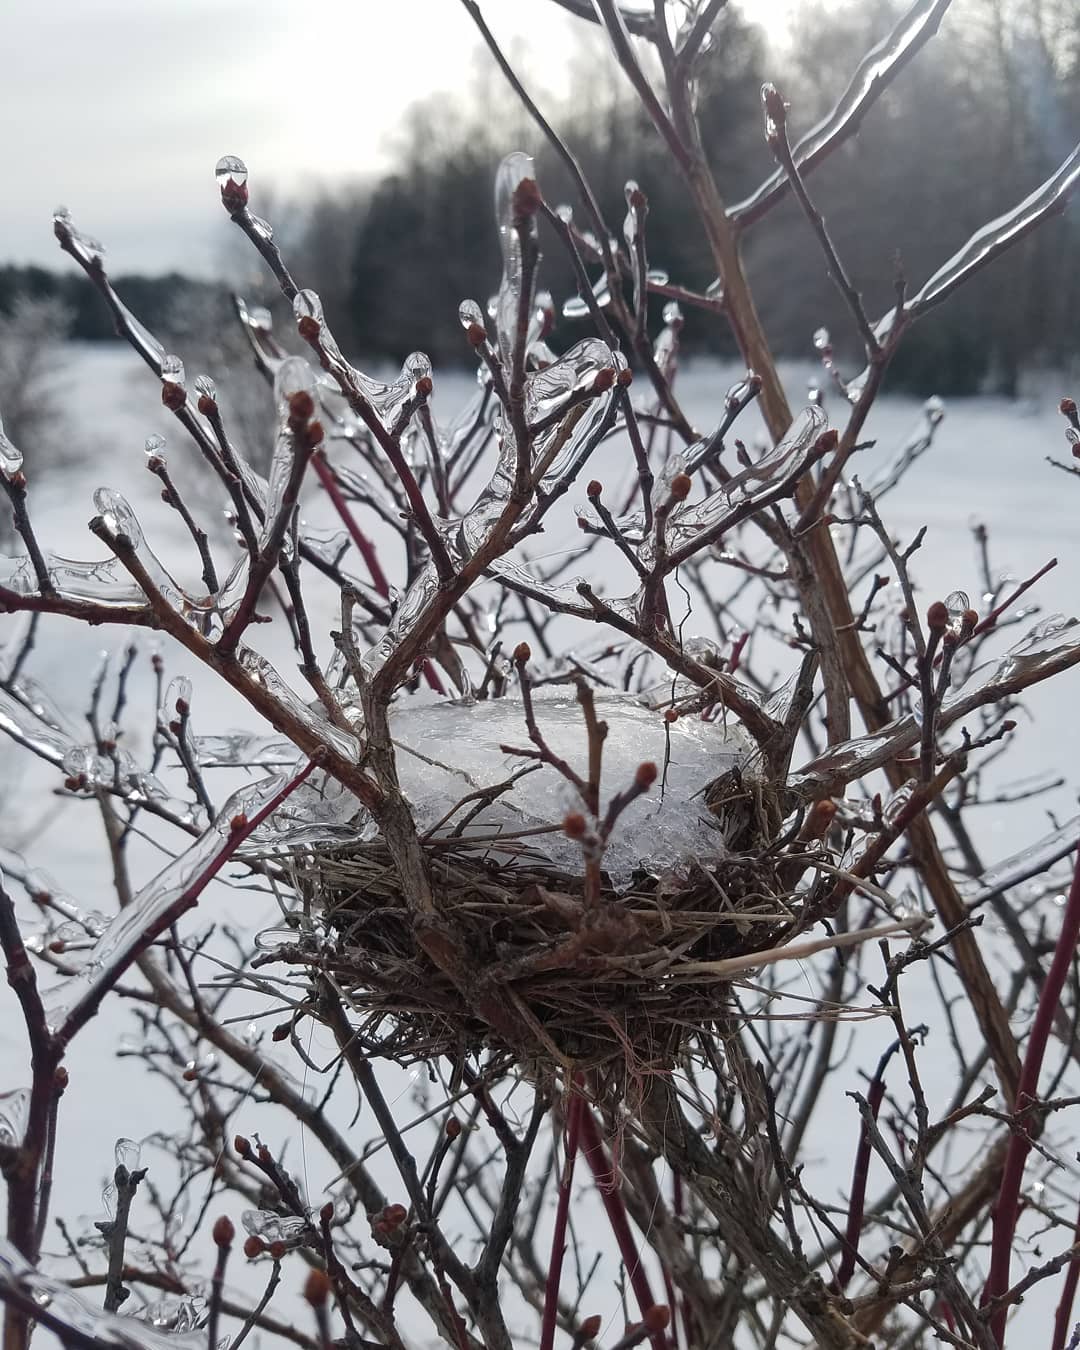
column 564, row 846
column 30, row 380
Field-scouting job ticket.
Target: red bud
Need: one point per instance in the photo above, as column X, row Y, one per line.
column 223, row 1231
column 574, row 825
column 646, row 775
column 522, row 653
column 317, row 1288
column 937, row 617
column 253, row 1247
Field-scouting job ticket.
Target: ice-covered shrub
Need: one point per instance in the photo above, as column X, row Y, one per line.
column 604, row 727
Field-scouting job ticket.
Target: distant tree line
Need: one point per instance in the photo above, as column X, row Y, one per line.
column 983, row 116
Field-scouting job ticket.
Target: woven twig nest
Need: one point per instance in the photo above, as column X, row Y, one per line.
column 611, row 981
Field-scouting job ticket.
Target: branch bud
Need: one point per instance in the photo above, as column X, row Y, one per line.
column 680, row 487
column 590, row 1327
column 326, row 1214
column 476, row 334
column 453, row 1128
column 224, row 1231
column 574, row 825
column 657, row 1317
column 624, row 379
column 646, row 775
column 594, row 489
column 522, row 653
column 603, row 379
column 827, row 441
column 937, row 617
column 424, row 386
column 317, row 1288
column 174, row 396
column 242, row 1145
column 277, row 1250
column 526, row 200
column 253, row 1246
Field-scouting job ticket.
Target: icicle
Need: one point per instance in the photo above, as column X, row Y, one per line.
column 11, row 460
column 517, row 168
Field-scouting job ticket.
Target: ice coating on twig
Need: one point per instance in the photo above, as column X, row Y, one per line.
column 264, row 673
column 126, row 934
column 60, row 1307
column 1029, row 862
column 876, row 70
column 984, row 245
column 445, row 751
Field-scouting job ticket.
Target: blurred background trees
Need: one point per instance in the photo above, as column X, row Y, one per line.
column 981, row 118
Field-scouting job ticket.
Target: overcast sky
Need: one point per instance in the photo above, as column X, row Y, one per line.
column 119, row 108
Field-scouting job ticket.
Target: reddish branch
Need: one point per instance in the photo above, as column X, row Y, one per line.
column 1007, row 1205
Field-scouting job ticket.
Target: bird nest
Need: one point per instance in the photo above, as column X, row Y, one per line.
column 614, row 983
column 520, row 942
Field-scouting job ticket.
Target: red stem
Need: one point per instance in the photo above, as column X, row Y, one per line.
column 1063, row 1316
column 364, row 546
column 1007, row 1206
column 562, row 1214
column 861, row 1172
column 606, row 1183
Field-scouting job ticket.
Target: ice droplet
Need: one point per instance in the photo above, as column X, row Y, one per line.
column 11, row 460
column 934, row 408
column 957, row 604
column 821, row 339
column 205, row 387
column 86, row 249
column 172, row 369
column 230, row 167
column 672, row 313
column 469, row 312
column 262, row 227
column 127, row 1153
column 155, row 448
column 308, row 305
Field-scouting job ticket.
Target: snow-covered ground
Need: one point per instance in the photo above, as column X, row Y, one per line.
column 987, row 464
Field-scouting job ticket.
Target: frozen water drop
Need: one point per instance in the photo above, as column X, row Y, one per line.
column 307, row 305
column 262, row 228
column 934, row 408
column 469, row 312
column 127, row 1153
column 230, row 168
column 672, row 314
column 172, row 369
column 957, row 604
column 821, row 339
column 565, row 212
column 155, row 447
column 205, row 387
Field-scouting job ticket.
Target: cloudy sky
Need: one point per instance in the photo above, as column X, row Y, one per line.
column 119, row 108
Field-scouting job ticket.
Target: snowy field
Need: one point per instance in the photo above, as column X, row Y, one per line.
column 987, row 464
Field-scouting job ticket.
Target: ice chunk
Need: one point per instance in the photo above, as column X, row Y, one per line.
column 446, row 751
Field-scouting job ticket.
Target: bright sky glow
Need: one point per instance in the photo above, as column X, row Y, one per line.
column 119, row 109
